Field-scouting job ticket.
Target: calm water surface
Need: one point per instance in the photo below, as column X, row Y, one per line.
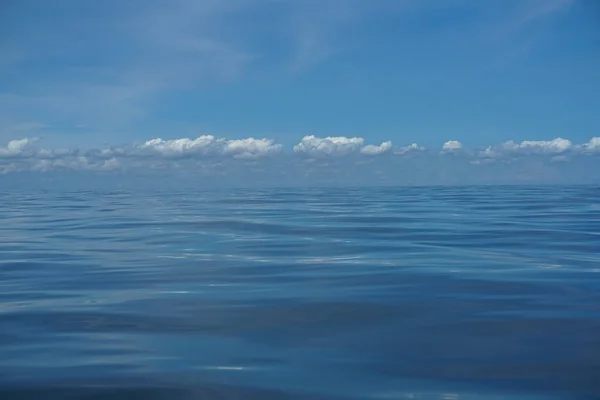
column 374, row 293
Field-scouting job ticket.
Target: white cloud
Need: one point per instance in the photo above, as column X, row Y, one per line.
column 527, row 147
column 251, row 148
column 111, row 152
column 208, row 152
column 557, row 145
column 452, row 145
column 413, row 148
column 16, row 148
column 25, row 149
column 208, row 145
column 203, row 145
column 372, row 150
column 593, row 146
column 56, row 153
column 110, row 164
column 72, row 163
column 339, row 146
column 26, row 156
column 42, row 165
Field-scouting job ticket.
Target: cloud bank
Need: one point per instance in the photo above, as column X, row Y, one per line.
column 207, row 152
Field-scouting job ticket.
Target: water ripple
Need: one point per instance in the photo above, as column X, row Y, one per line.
column 469, row 292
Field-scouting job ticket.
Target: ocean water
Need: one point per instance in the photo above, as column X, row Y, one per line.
column 346, row 293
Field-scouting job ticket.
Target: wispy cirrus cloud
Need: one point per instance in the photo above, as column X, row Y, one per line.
column 105, row 66
column 523, row 28
column 315, row 30
column 120, row 71
column 492, row 37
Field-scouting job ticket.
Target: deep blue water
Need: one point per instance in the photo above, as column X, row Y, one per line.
column 374, row 293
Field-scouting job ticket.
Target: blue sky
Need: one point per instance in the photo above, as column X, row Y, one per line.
column 81, row 78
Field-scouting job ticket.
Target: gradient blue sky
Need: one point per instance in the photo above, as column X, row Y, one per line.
column 89, row 74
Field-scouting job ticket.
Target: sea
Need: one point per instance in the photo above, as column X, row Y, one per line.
column 466, row 292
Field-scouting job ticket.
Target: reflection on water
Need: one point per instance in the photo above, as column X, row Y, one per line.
column 385, row 293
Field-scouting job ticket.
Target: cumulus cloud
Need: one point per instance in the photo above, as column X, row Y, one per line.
column 452, row 146
column 71, row 163
column 528, row 147
column 155, row 153
column 251, row 148
column 593, row 146
column 26, row 148
column 372, row 150
column 111, row 152
column 338, row 146
column 110, row 164
column 204, row 145
column 16, row 148
column 26, row 156
column 413, row 148
column 210, row 153
column 208, row 145
column 555, row 146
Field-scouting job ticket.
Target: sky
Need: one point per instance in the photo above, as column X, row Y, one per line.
column 303, row 91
